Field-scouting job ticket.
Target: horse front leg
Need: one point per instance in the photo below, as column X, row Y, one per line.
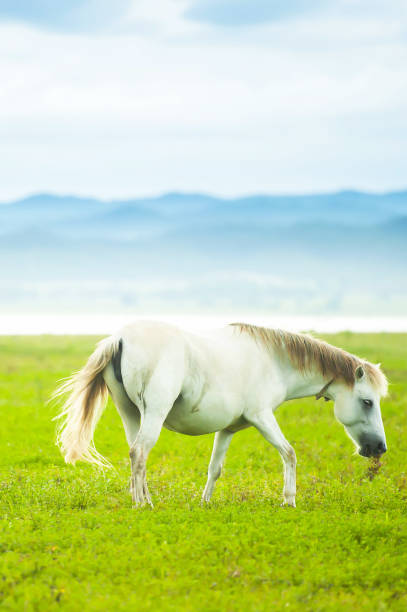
column 220, row 447
column 265, row 422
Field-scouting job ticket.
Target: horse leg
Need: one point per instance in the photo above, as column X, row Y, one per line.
column 128, row 411
column 139, row 452
column 220, row 447
column 265, row 422
column 157, row 400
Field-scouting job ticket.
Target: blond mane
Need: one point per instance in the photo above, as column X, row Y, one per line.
column 307, row 353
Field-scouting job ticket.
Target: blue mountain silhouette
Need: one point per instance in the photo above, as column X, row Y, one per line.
column 340, row 252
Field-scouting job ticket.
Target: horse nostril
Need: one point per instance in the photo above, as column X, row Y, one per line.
column 381, row 448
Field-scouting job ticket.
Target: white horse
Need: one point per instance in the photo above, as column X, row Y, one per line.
column 224, row 381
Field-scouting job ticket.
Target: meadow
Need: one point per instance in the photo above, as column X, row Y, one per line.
column 70, row 539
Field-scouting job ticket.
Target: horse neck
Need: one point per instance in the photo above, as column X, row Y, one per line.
column 300, row 384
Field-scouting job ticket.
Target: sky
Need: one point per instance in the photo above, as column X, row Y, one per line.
column 123, row 98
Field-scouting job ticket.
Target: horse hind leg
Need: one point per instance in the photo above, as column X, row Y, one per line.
column 148, row 435
column 128, row 411
column 158, row 399
column 220, row 447
column 139, row 488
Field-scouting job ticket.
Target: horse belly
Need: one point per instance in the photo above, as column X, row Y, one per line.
column 214, row 412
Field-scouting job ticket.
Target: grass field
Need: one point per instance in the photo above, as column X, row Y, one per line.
column 70, row 540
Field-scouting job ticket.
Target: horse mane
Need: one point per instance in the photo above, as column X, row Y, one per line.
column 307, row 353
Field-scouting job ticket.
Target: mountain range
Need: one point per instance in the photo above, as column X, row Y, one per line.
column 341, row 253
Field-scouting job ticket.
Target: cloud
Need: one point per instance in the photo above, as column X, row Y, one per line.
column 294, row 105
column 248, row 12
column 64, row 15
column 238, row 13
column 178, row 17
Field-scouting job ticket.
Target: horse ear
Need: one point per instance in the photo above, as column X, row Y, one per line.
column 359, row 373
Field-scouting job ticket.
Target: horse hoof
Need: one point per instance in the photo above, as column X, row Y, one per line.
column 288, row 503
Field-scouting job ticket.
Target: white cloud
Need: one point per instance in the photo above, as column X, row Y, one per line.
column 167, row 104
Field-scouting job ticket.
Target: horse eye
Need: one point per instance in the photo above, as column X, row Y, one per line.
column 368, row 403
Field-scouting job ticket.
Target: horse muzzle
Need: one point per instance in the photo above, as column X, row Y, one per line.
column 372, row 446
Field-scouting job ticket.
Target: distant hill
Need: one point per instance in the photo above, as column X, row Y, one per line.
column 337, row 253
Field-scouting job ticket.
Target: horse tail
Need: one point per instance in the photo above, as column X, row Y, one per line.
column 87, row 396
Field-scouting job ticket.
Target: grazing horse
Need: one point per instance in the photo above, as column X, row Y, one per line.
column 222, row 381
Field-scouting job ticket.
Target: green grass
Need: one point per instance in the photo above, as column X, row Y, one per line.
column 70, row 540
